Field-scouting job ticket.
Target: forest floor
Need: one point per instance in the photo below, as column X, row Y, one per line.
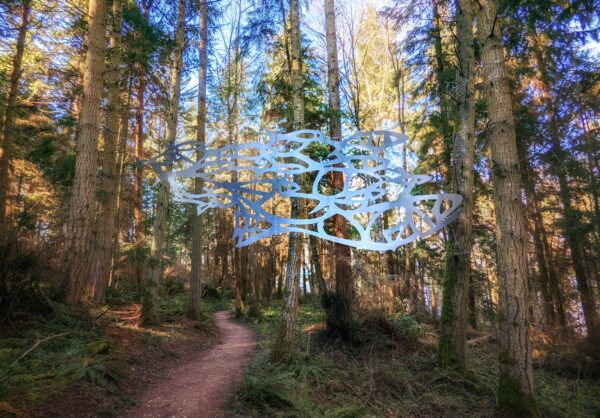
column 105, row 366
column 100, row 365
column 199, row 387
column 390, row 370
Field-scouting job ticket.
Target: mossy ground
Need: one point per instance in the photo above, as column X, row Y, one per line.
column 379, row 376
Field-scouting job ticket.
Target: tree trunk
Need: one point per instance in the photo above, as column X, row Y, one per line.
column 150, row 314
column 80, row 222
column 283, row 348
column 455, row 308
column 8, row 128
column 515, row 391
column 194, row 309
column 338, row 307
column 101, row 259
column 122, row 154
column 138, row 210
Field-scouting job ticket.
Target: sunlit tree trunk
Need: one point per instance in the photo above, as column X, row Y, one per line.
column 195, row 275
column 101, row 259
column 515, row 391
column 8, row 119
column 140, row 137
column 150, row 313
column 283, row 348
column 80, row 221
column 455, row 309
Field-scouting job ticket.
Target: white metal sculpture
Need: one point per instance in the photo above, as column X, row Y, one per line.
column 376, row 201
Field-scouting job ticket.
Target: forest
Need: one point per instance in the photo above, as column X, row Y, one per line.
column 168, row 248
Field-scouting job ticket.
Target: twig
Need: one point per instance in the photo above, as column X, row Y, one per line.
column 33, row 347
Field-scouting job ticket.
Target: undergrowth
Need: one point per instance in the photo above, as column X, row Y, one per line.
column 43, row 357
column 75, row 350
column 389, row 370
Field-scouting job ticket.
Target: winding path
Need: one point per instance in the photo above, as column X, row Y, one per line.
column 198, row 388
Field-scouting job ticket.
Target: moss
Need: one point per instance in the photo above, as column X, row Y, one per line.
column 512, row 401
column 504, row 358
column 447, row 354
column 151, row 314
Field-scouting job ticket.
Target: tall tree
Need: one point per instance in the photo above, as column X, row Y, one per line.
column 284, row 343
column 80, row 222
column 195, row 275
column 8, row 119
column 101, row 259
column 339, row 306
column 515, row 391
column 140, row 137
column 150, row 313
column 453, row 321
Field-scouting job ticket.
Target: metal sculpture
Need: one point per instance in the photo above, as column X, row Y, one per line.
column 377, row 201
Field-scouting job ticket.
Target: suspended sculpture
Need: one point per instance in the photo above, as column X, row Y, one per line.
column 377, row 201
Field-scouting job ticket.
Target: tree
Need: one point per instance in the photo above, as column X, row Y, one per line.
column 570, row 218
column 150, row 314
column 196, row 274
column 81, row 221
column 453, row 321
column 7, row 120
column 338, row 306
column 101, row 259
column 515, row 386
column 283, row 348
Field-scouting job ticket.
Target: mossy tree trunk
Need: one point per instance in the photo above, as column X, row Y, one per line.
column 455, row 308
column 515, row 390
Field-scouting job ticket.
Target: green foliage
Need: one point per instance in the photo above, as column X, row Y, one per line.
column 276, row 90
column 331, row 379
column 76, row 350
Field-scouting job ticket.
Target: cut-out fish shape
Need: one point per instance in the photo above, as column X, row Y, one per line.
column 377, row 202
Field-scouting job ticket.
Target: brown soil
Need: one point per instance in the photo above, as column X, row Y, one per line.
column 199, row 387
column 141, row 358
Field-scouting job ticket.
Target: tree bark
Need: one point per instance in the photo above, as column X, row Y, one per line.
column 515, row 391
column 80, row 222
column 150, row 313
column 101, row 259
column 138, row 210
column 194, row 309
column 455, row 308
column 283, row 348
column 338, row 306
column 8, row 127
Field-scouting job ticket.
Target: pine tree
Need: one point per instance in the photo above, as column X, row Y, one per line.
column 515, row 386
column 81, row 221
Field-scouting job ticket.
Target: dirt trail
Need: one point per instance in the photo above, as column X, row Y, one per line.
column 199, row 388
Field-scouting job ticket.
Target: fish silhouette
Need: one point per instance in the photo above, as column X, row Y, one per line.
column 376, row 201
